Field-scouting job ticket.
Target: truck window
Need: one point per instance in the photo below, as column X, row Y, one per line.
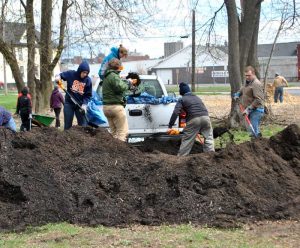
column 152, row 87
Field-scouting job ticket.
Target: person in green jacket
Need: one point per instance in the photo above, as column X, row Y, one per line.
column 113, row 91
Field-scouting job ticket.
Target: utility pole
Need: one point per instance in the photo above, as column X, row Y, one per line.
column 193, row 52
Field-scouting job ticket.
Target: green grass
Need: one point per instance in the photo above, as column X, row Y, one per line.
column 200, row 89
column 214, row 89
column 67, row 235
column 9, row 102
column 241, row 136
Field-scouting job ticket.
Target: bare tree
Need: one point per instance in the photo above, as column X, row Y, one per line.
column 88, row 21
column 242, row 44
column 289, row 17
column 7, row 48
column 30, row 29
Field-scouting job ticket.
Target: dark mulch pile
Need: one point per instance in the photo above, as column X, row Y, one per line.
column 85, row 176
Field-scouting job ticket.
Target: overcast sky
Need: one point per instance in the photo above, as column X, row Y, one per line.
column 172, row 19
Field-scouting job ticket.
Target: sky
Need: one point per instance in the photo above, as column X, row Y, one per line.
column 172, row 19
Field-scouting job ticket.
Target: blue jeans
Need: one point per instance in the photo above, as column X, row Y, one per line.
column 255, row 118
column 11, row 125
column 278, row 93
column 69, row 110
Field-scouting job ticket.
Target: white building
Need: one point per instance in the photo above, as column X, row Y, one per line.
column 15, row 34
column 211, row 66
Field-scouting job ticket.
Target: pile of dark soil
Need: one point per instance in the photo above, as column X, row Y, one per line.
column 87, row 177
column 152, row 145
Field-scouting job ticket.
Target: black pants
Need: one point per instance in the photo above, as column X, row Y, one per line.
column 57, row 113
column 26, row 125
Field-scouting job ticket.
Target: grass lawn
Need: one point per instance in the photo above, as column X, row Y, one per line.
column 67, row 235
column 241, row 136
column 203, row 89
column 9, row 102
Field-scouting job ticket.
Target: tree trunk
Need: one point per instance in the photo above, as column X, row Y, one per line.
column 252, row 55
column 30, row 28
column 233, row 58
column 10, row 58
column 242, row 46
column 63, row 23
column 45, row 54
column 248, row 31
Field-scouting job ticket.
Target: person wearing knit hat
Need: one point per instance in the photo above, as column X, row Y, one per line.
column 116, row 53
column 197, row 118
column 184, row 88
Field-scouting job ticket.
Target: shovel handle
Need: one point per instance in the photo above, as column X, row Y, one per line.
column 247, row 119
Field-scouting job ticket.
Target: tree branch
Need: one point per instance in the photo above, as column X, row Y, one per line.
column 62, row 28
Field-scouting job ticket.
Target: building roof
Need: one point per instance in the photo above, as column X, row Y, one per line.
column 13, row 32
column 204, row 57
column 281, row 49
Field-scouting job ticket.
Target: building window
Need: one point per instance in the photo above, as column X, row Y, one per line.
column 36, row 71
column 20, row 52
column 22, row 71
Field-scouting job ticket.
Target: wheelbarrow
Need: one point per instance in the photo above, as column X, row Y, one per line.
column 42, row 120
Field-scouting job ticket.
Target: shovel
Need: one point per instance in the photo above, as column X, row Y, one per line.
column 30, row 121
column 81, row 110
column 247, row 120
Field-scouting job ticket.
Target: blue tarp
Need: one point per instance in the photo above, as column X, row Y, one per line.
column 94, row 111
column 146, row 98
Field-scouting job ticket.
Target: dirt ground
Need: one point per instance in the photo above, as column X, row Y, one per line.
column 85, row 176
column 287, row 112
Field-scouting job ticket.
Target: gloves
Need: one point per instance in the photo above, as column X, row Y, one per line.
column 172, row 131
column 83, row 108
column 30, row 116
column 236, row 96
column 248, row 110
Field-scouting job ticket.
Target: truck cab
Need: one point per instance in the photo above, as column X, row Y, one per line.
column 146, row 120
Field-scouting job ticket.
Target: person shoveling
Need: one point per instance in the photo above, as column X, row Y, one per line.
column 78, row 93
column 251, row 101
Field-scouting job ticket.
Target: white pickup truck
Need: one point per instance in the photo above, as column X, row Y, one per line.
column 146, row 120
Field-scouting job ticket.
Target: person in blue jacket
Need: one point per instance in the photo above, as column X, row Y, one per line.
column 6, row 120
column 79, row 86
column 116, row 53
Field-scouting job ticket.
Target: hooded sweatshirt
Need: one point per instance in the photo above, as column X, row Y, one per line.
column 114, row 54
column 56, row 99
column 4, row 116
column 79, row 88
